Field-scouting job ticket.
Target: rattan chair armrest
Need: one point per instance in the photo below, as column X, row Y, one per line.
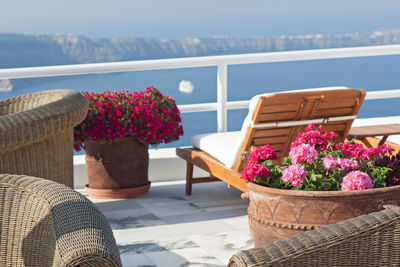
column 83, row 234
column 22, row 122
column 368, row 239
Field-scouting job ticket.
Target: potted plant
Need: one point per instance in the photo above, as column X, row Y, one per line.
column 115, row 136
column 318, row 183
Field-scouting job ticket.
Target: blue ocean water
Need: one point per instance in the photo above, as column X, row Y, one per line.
column 244, row 81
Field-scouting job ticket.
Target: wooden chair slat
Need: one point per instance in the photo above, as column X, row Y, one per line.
column 276, row 108
column 338, row 103
column 335, row 127
column 322, row 113
column 271, row 132
column 278, row 147
column 272, row 117
column 273, row 141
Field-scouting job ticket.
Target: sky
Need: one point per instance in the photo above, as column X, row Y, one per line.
column 179, row 19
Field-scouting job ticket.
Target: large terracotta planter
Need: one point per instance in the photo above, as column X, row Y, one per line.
column 117, row 170
column 275, row 214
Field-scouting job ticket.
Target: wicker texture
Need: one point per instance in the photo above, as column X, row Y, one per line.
column 36, row 134
column 368, row 240
column 44, row 223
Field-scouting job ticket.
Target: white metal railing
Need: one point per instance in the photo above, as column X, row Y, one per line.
column 221, row 62
column 243, row 104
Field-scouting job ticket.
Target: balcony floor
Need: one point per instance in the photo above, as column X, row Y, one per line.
column 167, row 228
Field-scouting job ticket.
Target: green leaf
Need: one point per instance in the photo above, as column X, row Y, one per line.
column 286, row 161
column 378, row 175
column 268, row 163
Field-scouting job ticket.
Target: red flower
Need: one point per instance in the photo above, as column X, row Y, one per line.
column 254, row 171
column 318, row 140
column 148, row 116
column 261, row 154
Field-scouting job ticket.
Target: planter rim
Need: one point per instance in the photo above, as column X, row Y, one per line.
column 118, row 193
column 302, row 193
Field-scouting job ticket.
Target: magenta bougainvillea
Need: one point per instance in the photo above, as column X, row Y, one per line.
column 148, row 116
column 316, row 163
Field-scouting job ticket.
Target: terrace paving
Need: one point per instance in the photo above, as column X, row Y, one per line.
column 168, row 228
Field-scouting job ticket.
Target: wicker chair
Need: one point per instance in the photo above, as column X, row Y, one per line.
column 44, row 223
column 368, row 240
column 36, row 134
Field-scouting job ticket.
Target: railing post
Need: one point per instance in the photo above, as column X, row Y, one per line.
column 222, row 89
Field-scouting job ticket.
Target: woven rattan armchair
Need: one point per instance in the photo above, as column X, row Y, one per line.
column 36, row 133
column 44, row 223
column 368, row 240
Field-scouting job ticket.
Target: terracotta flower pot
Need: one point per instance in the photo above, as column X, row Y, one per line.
column 275, row 214
column 117, row 170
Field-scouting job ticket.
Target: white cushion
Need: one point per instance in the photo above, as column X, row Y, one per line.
column 221, row 146
column 226, row 146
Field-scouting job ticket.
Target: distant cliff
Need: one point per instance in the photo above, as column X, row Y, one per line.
column 21, row 50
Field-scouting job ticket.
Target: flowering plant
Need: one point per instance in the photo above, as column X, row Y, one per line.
column 148, row 116
column 315, row 163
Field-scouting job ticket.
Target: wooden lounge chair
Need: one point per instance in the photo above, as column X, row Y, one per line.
column 367, row 240
column 273, row 119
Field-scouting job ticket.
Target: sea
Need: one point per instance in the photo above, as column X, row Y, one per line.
column 244, row 81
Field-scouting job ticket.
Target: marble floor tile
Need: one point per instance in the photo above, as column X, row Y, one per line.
column 190, row 257
column 241, row 206
column 145, row 220
column 201, row 216
column 117, row 204
column 150, row 246
column 209, row 204
column 173, row 207
column 131, row 212
column 171, row 230
column 217, row 192
column 240, row 223
column 136, row 260
column 223, row 245
column 168, row 228
column 159, row 195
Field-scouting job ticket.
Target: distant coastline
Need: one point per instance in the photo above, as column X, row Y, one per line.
column 24, row 50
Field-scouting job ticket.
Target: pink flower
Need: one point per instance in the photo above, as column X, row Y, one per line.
column 294, row 174
column 344, row 164
column 356, row 180
column 347, row 164
column 253, row 171
column 261, row 154
column 303, row 153
column 330, row 162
